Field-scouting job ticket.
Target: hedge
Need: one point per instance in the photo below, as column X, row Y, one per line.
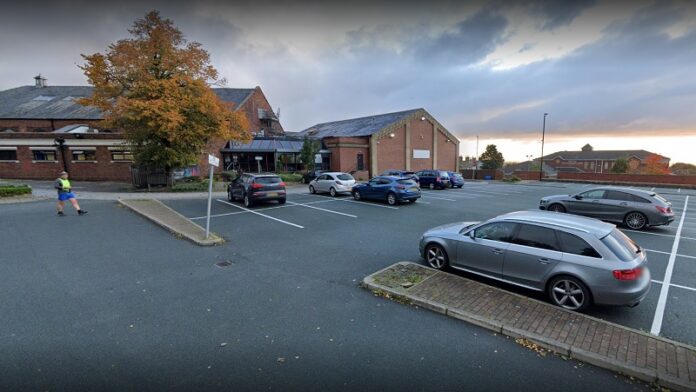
column 14, row 190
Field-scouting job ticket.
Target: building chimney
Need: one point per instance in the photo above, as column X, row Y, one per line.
column 39, row 81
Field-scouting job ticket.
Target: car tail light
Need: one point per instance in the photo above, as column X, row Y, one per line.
column 282, row 183
column 437, row 178
column 256, row 186
column 664, row 210
column 339, row 183
column 629, row 274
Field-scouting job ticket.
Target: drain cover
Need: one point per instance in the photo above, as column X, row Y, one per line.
column 223, row 264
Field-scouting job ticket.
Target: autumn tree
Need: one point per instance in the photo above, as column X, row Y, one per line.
column 684, row 169
column 654, row 165
column 492, row 158
column 620, row 166
column 155, row 86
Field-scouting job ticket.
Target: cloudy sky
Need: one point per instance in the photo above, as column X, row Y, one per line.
column 615, row 74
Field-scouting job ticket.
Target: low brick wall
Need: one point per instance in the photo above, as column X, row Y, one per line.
column 647, row 179
column 481, row 174
column 526, row 175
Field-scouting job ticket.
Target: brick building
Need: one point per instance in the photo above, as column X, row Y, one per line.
column 408, row 140
column 587, row 160
column 43, row 130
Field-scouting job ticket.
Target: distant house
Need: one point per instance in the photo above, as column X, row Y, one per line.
column 587, row 160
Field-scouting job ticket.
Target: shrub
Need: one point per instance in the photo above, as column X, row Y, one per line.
column 511, row 179
column 191, row 186
column 290, row 177
column 14, row 190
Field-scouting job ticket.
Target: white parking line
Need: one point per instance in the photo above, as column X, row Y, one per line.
column 260, row 214
column 668, row 253
column 368, row 204
column 260, row 209
column 675, row 285
column 662, row 301
column 323, row 209
column 660, row 234
column 438, row 198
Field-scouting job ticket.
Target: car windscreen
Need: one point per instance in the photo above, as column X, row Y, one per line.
column 444, row 174
column 623, row 247
column 267, row 180
column 406, row 182
column 345, row 177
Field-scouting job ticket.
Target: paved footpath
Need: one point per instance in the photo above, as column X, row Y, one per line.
column 631, row 352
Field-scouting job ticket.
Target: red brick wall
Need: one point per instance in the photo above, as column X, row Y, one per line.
column 421, row 139
column 648, row 179
column 258, row 100
column 345, row 158
column 526, row 175
column 446, row 153
column 481, row 174
column 391, row 152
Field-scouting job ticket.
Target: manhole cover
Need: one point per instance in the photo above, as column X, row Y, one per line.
column 224, row 264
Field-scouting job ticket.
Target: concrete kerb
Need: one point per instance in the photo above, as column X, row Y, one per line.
column 644, row 374
column 196, row 237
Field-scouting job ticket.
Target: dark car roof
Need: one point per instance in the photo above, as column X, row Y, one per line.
column 261, row 175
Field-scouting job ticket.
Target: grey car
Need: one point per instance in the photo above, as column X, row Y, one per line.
column 577, row 261
column 635, row 208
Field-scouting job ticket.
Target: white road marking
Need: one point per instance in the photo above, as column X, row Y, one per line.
column 323, row 209
column 368, row 204
column 260, row 209
column 652, row 189
column 260, row 214
column 438, row 198
column 660, row 234
column 662, row 301
column 675, row 285
column 667, row 253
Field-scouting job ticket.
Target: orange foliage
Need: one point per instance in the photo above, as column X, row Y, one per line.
column 654, row 165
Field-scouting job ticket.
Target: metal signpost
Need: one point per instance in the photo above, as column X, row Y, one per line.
column 213, row 161
column 258, row 162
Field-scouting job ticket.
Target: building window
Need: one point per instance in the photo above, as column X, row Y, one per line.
column 361, row 162
column 8, row 155
column 44, row 155
column 121, row 156
column 84, row 155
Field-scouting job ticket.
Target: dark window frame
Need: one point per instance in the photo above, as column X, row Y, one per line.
column 521, row 229
column 8, row 159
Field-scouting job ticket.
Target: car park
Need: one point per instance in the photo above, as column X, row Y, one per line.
column 637, row 209
column 433, row 179
column 332, row 183
column 390, row 189
column 456, row 180
column 577, row 261
column 310, row 175
column 401, row 174
column 257, row 187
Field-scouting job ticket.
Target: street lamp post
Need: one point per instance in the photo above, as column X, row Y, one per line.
column 541, row 158
column 529, row 162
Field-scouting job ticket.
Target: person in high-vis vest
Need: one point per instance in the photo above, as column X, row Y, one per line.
column 64, row 188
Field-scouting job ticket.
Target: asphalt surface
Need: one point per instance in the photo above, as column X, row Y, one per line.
column 109, row 301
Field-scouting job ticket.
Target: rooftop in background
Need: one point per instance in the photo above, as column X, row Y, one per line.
column 588, row 153
column 58, row 102
column 355, row 127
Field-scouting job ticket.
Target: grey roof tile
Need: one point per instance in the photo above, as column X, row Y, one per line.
column 362, row 126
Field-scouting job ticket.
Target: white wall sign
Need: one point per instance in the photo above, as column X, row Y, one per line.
column 258, row 158
column 421, row 154
column 317, row 158
column 213, row 160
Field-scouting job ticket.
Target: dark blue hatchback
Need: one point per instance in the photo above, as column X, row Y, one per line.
column 391, row 189
column 456, row 180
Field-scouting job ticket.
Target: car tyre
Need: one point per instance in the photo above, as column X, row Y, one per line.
column 229, row 196
column 247, row 202
column 356, row 195
column 391, row 198
column 312, row 190
column 636, row 220
column 436, row 257
column 569, row 293
column 556, row 208
column 431, row 186
column 332, row 192
column 281, row 201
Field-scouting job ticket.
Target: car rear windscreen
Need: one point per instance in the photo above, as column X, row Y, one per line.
column 623, row 247
column 406, row 182
column 345, row 177
column 660, row 198
column 444, row 174
column 267, row 180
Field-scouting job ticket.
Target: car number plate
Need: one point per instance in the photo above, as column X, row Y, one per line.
column 272, row 194
column 414, row 189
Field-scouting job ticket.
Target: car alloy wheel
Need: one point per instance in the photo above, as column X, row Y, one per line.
column 312, row 190
column 636, row 220
column 332, row 192
column 229, row 196
column 432, row 186
column 356, row 195
column 569, row 293
column 436, row 257
column 247, row 201
column 557, row 208
column 391, row 199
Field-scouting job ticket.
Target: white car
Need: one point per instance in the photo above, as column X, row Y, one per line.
column 332, row 183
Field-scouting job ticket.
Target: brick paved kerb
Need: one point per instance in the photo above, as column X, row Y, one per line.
column 601, row 343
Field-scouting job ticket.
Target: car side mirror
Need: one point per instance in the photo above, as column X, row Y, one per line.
column 577, row 197
column 472, row 234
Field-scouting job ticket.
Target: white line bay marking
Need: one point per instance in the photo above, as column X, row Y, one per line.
column 323, row 209
column 662, row 301
column 260, row 214
column 668, row 253
column 261, row 209
column 675, row 285
column 368, row 204
column 438, row 198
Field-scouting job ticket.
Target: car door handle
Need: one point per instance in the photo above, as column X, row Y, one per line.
column 624, row 203
column 498, row 251
column 544, row 260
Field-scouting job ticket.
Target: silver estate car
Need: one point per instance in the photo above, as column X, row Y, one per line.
column 635, row 208
column 577, row 261
column 332, row 183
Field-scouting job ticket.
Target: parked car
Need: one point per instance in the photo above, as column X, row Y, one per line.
column 433, row 179
column 391, row 189
column 332, row 183
column 577, row 261
column 255, row 187
column 456, row 180
column 635, row 208
column 310, row 175
column 401, row 174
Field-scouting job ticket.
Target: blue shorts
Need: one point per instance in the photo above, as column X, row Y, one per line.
column 65, row 196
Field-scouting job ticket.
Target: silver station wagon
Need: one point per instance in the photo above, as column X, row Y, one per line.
column 577, row 261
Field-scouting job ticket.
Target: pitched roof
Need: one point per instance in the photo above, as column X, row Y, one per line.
column 266, row 145
column 362, row 126
column 58, row 102
column 601, row 155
